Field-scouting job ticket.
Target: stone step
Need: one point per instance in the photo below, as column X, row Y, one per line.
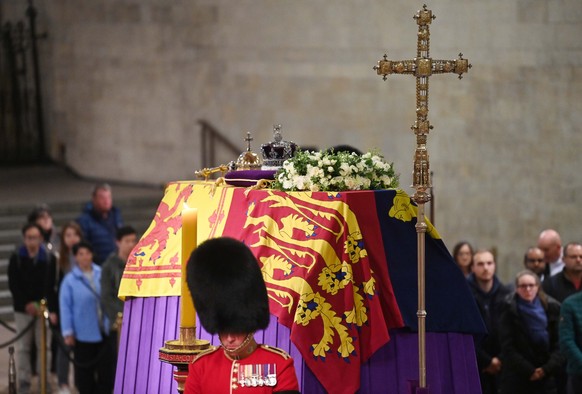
column 3, row 266
column 4, row 282
column 6, row 250
column 140, row 220
column 5, row 298
column 75, row 206
column 11, row 236
column 7, row 315
column 15, row 221
column 137, row 212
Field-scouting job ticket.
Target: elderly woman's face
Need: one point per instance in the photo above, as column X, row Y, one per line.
column 527, row 287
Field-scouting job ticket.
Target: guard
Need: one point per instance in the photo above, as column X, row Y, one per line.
column 230, row 296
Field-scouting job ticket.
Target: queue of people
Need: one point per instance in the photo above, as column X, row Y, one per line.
column 65, row 269
column 534, row 340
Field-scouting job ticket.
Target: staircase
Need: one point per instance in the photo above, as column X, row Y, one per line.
column 136, row 211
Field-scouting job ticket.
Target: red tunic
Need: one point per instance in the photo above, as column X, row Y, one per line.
column 213, row 372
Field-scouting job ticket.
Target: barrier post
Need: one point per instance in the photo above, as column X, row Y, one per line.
column 118, row 323
column 43, row 346
column 11, row 372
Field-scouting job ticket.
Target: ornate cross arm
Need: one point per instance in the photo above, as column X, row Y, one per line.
column 422, row 67
column 457, row 66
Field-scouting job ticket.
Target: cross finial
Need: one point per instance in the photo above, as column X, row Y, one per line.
column 422, row 67
column 277, row 132
column 248, row 139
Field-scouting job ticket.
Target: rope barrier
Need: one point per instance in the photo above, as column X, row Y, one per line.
column 61, row 343
column 7, row 326
column 19, row 335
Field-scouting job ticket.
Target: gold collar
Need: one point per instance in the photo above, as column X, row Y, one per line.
column 245, row 349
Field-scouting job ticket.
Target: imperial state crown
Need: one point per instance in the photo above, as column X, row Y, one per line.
column 277, row 151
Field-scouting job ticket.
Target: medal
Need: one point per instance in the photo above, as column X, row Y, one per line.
column 257, row 375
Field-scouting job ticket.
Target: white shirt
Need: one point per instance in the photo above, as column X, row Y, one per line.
column 556, row 267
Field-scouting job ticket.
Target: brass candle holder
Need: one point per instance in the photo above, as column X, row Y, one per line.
column 181, row 352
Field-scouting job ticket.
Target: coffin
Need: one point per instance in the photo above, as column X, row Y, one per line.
column 341, row 273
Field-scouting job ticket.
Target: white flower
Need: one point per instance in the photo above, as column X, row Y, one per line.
column 345, row 169
column 318, row 171
column 298, row 182
column 351, row 183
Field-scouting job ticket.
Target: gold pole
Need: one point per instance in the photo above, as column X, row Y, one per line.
column 11, row 372
column 118, row 324
column 421, row 313
column 43, row 345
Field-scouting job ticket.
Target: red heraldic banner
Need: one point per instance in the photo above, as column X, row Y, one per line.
column 325, row 271
column 326, row 277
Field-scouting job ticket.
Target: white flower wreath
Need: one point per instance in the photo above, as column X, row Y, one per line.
column 335, row 171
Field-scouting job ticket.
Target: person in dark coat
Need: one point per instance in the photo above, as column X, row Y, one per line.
column 569, row 280
column 571, row 340
column 100, row 221
column 489, row 294
column 27, row 271
column 529, row 339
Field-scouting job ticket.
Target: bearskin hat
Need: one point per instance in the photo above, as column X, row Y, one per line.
column 227, row 287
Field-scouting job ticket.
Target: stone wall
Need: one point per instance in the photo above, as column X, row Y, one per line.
column 125, row 83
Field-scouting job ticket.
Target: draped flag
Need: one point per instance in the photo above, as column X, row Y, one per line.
column 153, row 267
column 449, row 302
column 337, row 267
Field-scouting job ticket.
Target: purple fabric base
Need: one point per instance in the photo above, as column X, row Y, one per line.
column 149, row 322
column 246, row 178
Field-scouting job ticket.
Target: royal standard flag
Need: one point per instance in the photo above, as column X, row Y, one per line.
column 340, row 268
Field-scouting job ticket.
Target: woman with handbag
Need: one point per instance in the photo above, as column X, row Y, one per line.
column 84, row 325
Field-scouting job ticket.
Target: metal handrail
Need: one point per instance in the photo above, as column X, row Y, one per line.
column 210, row 136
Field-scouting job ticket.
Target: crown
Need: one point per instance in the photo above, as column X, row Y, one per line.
column 277, row 151
column 248, row 160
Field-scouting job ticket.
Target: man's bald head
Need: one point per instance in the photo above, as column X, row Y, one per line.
column 550, row 243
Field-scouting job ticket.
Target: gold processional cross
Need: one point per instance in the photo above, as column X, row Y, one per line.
column 422, row 67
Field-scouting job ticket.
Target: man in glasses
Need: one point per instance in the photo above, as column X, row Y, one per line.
column 27, row 271
column 534, row 261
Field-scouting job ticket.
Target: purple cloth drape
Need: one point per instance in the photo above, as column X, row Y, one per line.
column 149, row 322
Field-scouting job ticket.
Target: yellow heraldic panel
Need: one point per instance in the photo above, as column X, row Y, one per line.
column 154, row 266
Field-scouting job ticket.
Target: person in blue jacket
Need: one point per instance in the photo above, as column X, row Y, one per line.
column 84, row 325
column 100, row 221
